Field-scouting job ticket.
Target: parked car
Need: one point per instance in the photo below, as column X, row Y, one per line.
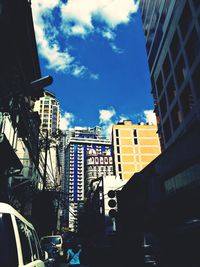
column 55, row 239
column 53, row 254
column 19, row 244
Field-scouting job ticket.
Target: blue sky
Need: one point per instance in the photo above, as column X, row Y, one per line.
column 95, row 51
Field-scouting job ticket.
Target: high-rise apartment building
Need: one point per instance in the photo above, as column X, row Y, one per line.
column 172, row 31
column 135, row 146
column 49, row 111
column 79, row 142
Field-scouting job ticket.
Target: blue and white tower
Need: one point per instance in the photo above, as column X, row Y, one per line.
column 79, row 142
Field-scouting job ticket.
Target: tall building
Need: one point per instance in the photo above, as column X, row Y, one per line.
column 135, row 146
column 49, row 111
column 172, row 31
column 80, row 141
column 166, row 192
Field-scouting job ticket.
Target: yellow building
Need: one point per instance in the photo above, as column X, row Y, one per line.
column 135, row 146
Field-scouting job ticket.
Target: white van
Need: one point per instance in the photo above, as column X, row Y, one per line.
column 19, row 243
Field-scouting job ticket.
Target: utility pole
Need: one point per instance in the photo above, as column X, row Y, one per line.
column 45, row 161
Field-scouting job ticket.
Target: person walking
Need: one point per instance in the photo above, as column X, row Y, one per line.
column 73, row 255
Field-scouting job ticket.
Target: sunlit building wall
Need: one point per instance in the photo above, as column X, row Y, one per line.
column 135, row 146
column 49, row 110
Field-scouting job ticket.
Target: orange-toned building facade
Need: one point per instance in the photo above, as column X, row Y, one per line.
column 135, row 146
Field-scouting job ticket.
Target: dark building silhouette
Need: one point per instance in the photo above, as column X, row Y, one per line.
column 21, row 84
column 172, row 32
column 163, row 218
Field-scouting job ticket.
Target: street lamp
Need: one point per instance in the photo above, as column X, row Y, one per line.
column 42, row 82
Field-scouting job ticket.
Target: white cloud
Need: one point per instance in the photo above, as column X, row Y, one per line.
column 108, row 34
column 150, row 117
column 106, row 115
column 46, row 35
column 123, row 118
column 107, row 129
column 116, row 49
column 77, row 18
column 107, row 119
column 48, row 44
column 66, row 120
column 79, row 71
column 94, row 76
column 78, row 30
column 110, row 12
column 82, row 71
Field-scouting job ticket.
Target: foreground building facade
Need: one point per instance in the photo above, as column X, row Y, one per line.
column 21, row 177
column 172, row 42
column 165, row 193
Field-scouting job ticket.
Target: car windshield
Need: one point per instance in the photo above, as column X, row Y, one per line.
column 51, row 239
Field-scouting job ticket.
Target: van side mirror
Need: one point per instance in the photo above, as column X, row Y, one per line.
column 46, row 256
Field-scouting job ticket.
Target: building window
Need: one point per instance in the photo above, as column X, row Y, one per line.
column 176, row 117
column 117, row 132
column 96, row 160
column 118, row 149
column 180, row 71
column 159, row 84
column 185, row 20
column 171, row 90
column 187, row 100
column 135, row 141
column 175, row 46
column 135, row 133
column 166, row 67
column 117, row 141
column 23, row 234
column 167, row 130
column 163, row 105
column 118, row 158
column 119, row 167
column 192, row 47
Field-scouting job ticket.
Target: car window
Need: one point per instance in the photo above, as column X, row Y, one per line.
column 25, row 244
column 55, row 240
column 41, row 253
column 8, row 249
column 35, row 255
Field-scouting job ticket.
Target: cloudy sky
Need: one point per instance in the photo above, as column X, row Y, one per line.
column 95, row 51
